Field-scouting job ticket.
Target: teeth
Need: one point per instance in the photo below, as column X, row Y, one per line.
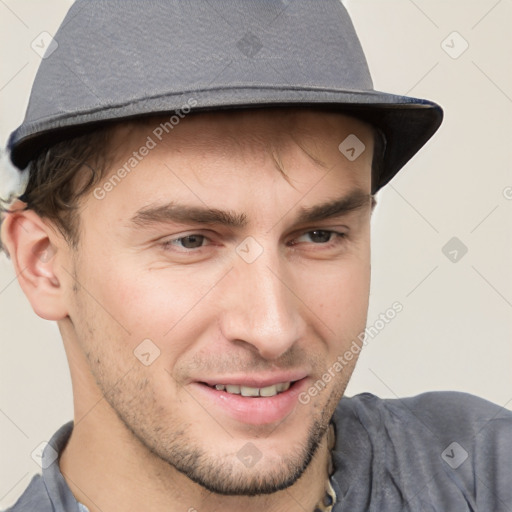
column 268, row 391
column 248, row 391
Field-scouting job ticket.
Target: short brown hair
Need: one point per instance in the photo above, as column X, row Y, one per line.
column 62, row 174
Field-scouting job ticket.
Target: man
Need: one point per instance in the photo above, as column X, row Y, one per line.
column 197, row 221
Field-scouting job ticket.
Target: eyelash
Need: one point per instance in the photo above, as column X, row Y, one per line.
column 336, row 238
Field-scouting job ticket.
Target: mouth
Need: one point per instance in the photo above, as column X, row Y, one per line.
column 248, row 391
column 251, row 401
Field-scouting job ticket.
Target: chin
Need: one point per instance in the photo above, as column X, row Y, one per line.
column 249, row 472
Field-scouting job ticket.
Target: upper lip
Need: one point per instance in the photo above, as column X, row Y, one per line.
column 255, row 381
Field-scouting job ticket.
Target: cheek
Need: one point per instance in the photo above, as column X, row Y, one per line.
column 159, row 305
column 340, row 310
column 339, row 295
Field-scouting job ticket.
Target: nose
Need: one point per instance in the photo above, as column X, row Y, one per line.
column 260, row 308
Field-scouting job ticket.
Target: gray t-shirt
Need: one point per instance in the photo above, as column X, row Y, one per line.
column 435, row 452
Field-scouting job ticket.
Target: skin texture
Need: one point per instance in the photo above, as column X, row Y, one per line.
column 147, row 437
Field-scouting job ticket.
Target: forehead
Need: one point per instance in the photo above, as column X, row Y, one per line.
column 249, row 130
column 220, row 156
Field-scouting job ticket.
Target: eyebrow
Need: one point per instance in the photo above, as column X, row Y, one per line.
column 174, row 212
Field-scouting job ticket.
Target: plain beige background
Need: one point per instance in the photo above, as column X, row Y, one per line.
column 455, row 328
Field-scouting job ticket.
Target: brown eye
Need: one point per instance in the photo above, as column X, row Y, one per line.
column 325, row 237
column 193, row 241
column 320, row 236
column 317, row 236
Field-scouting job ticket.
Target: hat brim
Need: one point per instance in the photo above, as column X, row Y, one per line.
column 407, row 123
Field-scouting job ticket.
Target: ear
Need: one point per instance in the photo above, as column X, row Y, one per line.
column 37, row 251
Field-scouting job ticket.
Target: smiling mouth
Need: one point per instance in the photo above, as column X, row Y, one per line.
column 247, row 391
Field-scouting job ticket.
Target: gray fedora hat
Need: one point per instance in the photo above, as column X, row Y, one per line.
column 117, row 59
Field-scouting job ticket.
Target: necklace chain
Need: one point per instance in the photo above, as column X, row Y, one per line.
column 326, row 504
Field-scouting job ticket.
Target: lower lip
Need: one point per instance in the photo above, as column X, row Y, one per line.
column 253, row 410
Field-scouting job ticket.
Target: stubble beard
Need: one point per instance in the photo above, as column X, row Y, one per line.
column 227, row 475
column 132, row 400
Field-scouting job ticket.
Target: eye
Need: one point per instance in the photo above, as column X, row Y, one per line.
column 319, row 236
column 186, row 242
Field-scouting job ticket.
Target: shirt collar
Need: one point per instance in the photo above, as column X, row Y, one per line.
column 58, row 490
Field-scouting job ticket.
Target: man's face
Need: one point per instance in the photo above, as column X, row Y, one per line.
column 236, row 279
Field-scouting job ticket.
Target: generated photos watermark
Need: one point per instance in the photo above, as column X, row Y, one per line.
column 144, row 150
column 344, row 359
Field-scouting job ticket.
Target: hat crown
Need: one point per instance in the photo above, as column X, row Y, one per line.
column 118, row 59
column 112, row 51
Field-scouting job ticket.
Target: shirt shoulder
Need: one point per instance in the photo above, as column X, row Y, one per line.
column 34, row 499
column 448, row 448
column 49, row 492
column 440, row 413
